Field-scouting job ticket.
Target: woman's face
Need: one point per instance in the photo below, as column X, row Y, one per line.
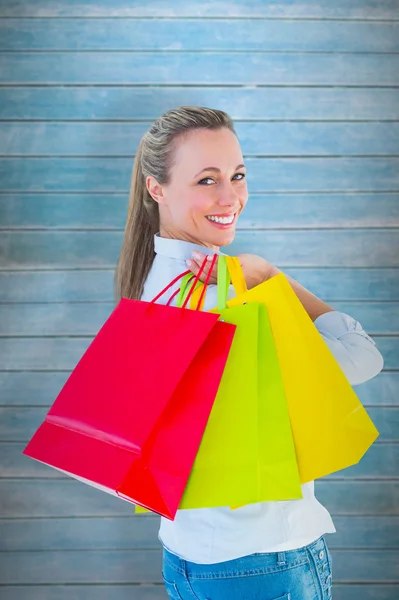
column 207, row 189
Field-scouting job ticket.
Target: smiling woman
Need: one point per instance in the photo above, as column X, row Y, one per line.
column 180, row 210
column 170, row 193
column 206, row 208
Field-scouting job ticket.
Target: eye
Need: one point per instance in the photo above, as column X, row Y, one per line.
column 242, row 176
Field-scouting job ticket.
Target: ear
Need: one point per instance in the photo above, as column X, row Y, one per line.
column 155, row 189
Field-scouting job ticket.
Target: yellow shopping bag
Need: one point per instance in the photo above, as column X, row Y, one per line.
column 331, row 428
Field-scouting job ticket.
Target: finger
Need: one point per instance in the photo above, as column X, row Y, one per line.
column 195, row 266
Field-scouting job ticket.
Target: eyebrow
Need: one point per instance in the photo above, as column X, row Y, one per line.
column 217, row 170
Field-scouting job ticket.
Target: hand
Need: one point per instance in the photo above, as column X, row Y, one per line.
column 255, row 268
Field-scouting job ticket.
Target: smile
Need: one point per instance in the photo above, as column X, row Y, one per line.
column 222, row 220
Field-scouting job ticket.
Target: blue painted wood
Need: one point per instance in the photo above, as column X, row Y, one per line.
column 366, row 592
column 98, row 249
column 134, row 102
column 389, row 348
column 354, row 248
column 87, row 285
column 41, row 388
column 193, row 68
column 355, row 9
column 257, row 138
column 70, row 498
column 157, row 592
column 18, row 424
column 98, row 175
column 86, row 566
column 127, row 533
column 86, row 318
column 122, row 566
column 380, row 461
column 211, row 35
column 299, row 95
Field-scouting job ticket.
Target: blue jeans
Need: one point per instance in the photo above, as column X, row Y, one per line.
column 301, row 574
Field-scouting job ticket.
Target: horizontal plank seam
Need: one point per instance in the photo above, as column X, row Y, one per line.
column 163, row 51
column 121, row 84
column 196, row 18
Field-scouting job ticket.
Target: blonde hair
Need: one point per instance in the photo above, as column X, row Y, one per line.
column 154, row 158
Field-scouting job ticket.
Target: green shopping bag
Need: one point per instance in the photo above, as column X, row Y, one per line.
column 247, row 453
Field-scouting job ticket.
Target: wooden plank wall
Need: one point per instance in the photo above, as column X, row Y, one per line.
column 313, row 86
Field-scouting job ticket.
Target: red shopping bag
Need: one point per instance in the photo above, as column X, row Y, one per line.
column 130, row 418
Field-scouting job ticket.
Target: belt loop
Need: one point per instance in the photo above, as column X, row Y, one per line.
column 281, row 558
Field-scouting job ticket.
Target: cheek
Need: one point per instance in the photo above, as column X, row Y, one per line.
column 200, row 204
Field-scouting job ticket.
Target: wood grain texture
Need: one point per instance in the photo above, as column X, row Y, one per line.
column 207, row 35
column 192, row 68
column 353, row 9
column 250, row 103
column 313, row 87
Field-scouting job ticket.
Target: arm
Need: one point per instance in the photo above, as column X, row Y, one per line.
column 354, row 350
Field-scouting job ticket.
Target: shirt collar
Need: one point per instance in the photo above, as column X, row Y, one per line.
column 178, row 248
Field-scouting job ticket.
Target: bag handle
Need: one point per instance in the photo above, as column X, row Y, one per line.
column 228, row 268
column 183, row 296
column 176, row 279
column 236, row 275
column 180, row 293
column 223, row 283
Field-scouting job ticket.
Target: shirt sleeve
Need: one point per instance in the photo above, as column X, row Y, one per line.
column 353, row 349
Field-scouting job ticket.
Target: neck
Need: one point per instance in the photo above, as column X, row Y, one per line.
column 165, row 232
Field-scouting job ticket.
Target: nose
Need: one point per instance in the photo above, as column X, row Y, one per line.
column 228, row 196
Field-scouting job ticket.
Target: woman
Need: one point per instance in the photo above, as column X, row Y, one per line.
column 188, row 191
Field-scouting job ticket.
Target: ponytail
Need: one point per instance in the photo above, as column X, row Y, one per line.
column 137, row 252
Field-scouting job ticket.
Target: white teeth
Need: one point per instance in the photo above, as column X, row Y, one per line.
column 222, row 220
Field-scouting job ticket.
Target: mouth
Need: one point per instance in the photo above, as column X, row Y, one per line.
column 222, row 221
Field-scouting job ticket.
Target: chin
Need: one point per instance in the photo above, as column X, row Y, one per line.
column 223, row 238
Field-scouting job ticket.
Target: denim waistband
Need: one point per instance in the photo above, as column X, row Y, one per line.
column 254, row 562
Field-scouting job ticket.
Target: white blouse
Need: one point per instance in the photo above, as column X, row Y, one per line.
column 212, row 535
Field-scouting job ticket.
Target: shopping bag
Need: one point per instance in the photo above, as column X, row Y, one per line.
column 130, row 418
column 331, row 428
column 247, row 452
